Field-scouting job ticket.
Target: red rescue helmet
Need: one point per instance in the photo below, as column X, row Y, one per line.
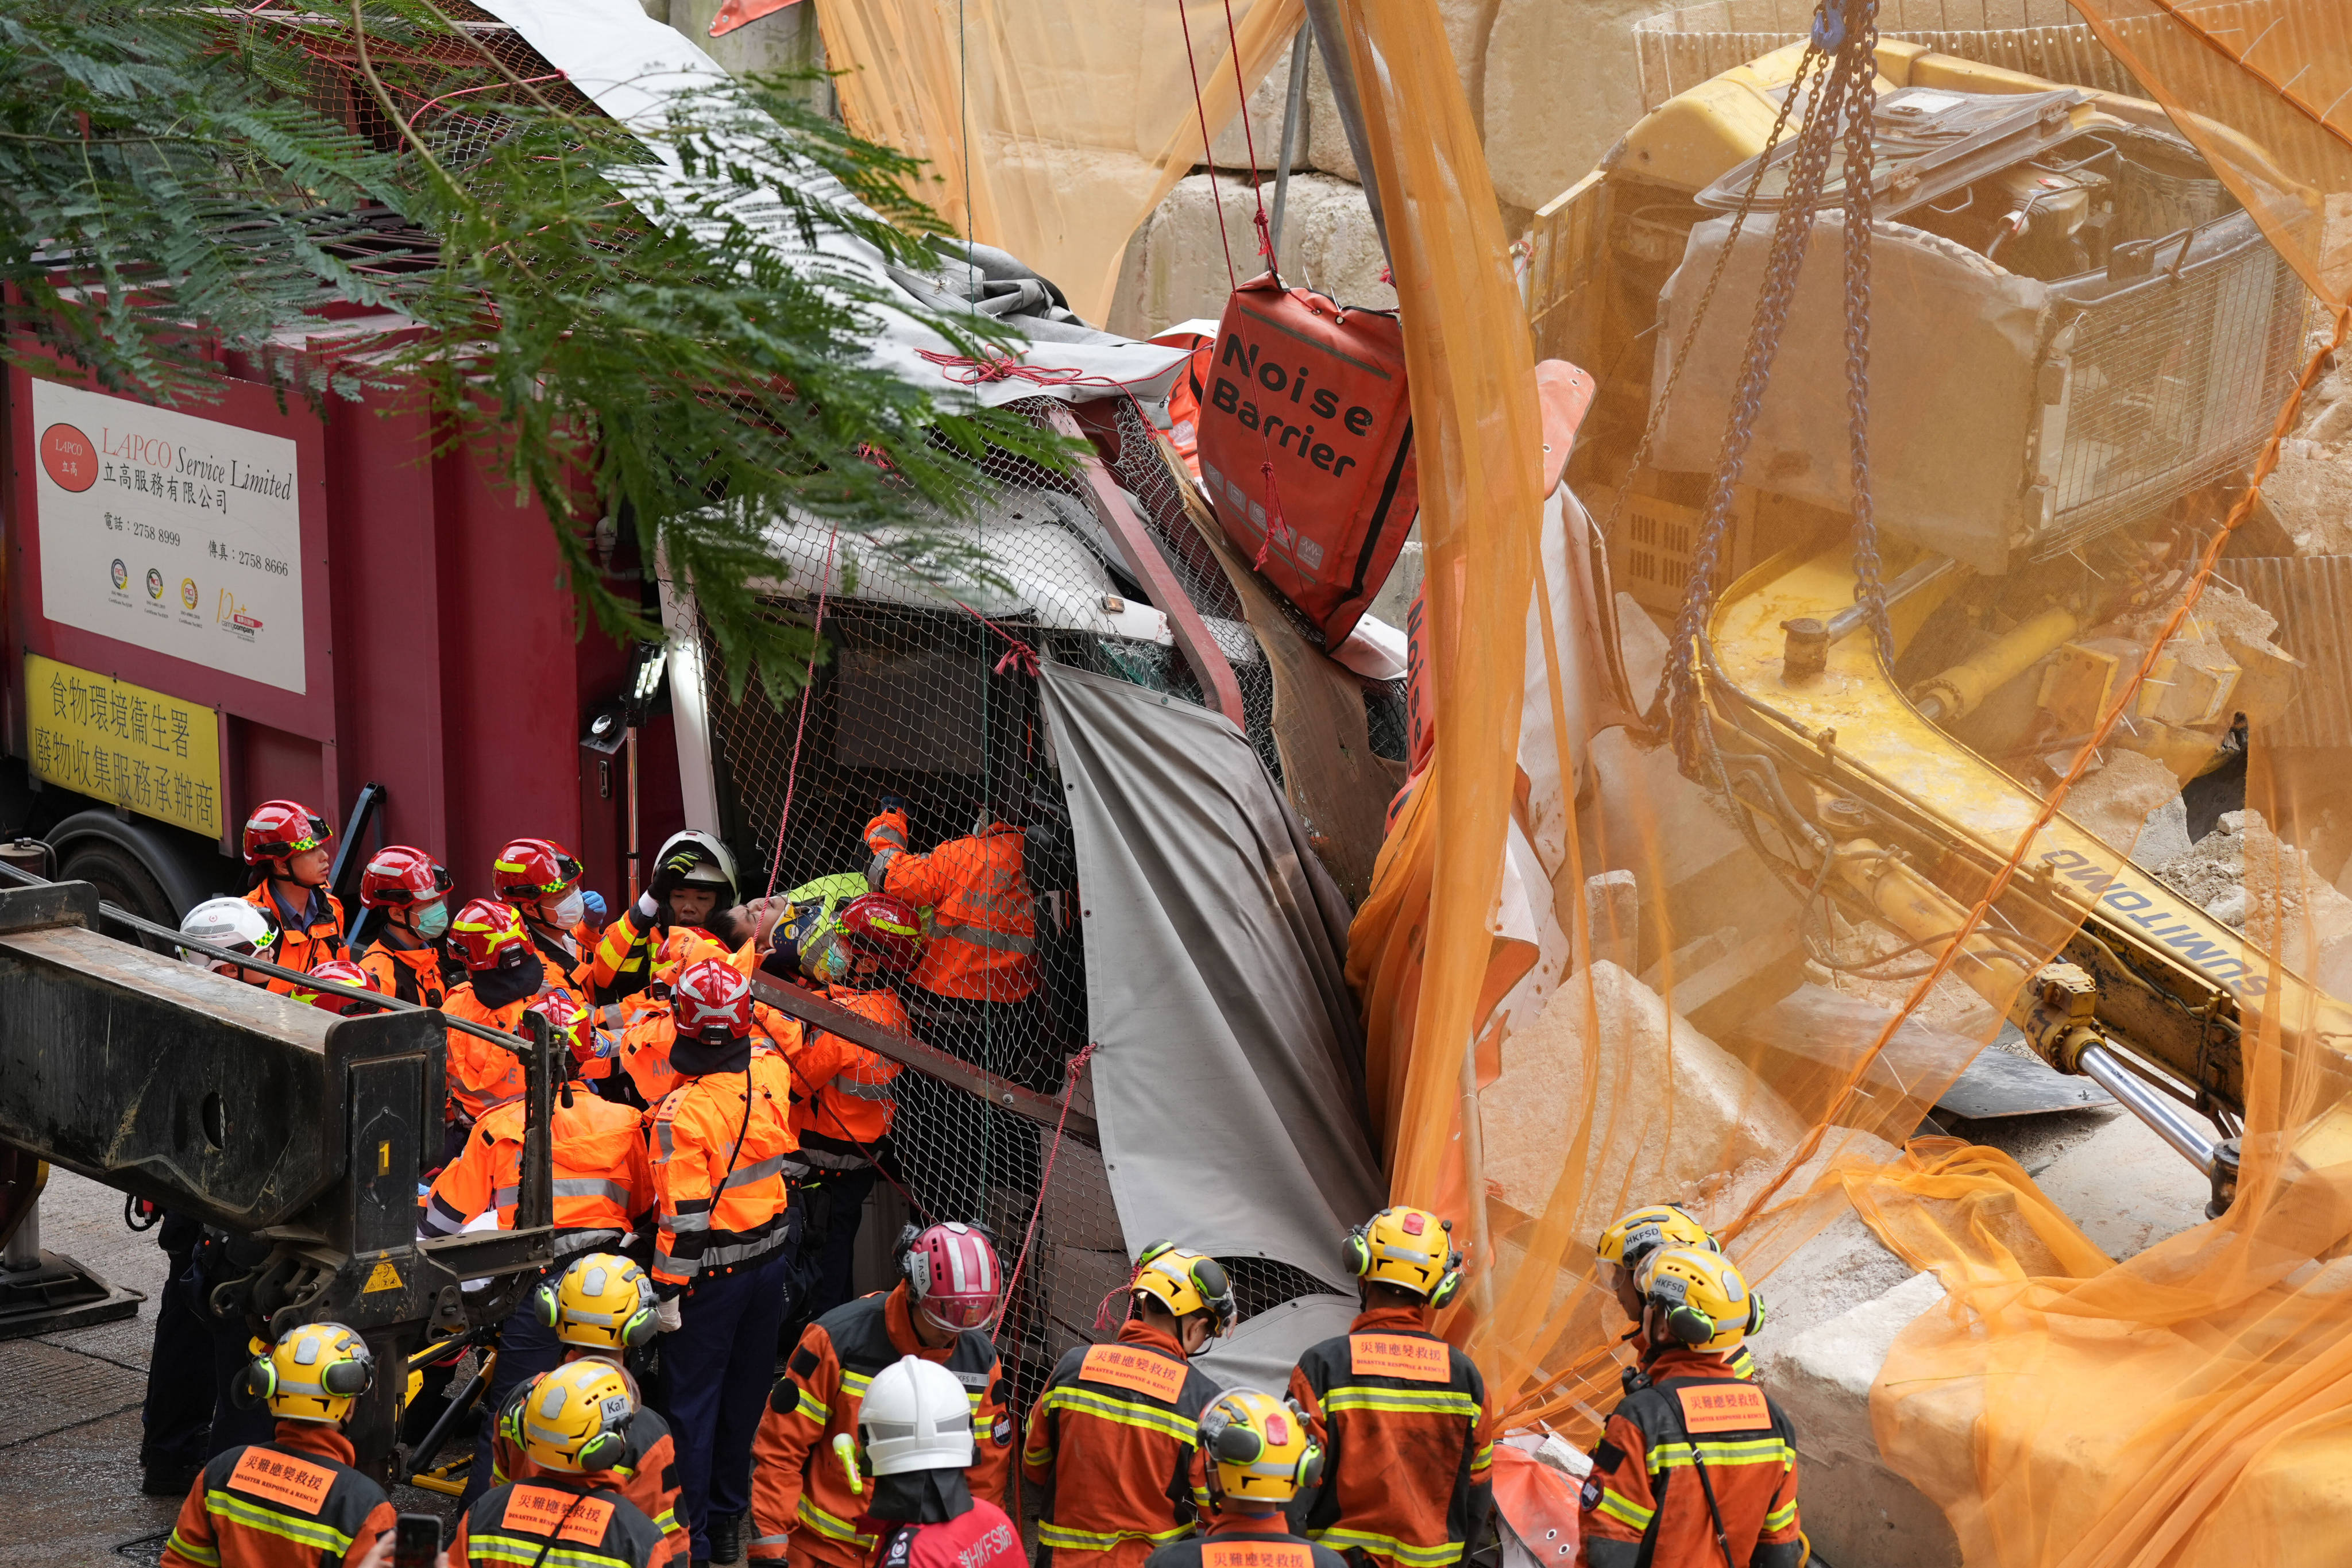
column 951, row 1272
column 566, row 1018
column 483, row 933
column 539, row 868
column 886, row 930
column 341, row 971
column 399, row 878
column 279, row 829
column 711, row 993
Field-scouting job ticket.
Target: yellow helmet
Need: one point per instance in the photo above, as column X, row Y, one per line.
column 602, row 1302
column 1707, row 1301
column 313, row 1374
column 577, row 1418
column 1635, row 1235
column 1410, row 1248
column 1185, row 1283
column 1259, row 1447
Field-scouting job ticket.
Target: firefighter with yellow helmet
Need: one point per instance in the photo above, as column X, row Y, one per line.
column 1629, row 1242
column 295, row 1500
column 574, row 1429
column 1115, row 1433
column 1260, row 1454
column 601, row 1308
column 1400, row 1414
column 1696, row 1466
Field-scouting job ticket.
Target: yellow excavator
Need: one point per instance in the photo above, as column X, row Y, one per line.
column 2078, row 341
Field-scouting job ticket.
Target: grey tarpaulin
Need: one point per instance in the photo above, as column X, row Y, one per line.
column 1227, row 1073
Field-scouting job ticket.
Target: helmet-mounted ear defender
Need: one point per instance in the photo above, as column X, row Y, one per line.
column 605, row 1450
column 1235, row 1444
column 639, row 1329
column 342, row 1379
column 1356, row 1253
column 1692, row 1327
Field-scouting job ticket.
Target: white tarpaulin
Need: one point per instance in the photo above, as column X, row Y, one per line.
column 633, row 68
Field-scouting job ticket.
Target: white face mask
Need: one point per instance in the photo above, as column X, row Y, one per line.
column 568, row 912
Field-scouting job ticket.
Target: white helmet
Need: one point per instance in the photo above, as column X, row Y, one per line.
column 717, row 869
column 916, row 1416
column 232, row 923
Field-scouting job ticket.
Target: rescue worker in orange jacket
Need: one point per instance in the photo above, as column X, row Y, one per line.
column 541, row 880
column 574, row 1513
column 1259, row 1456
column 1400, row 1413
column 1625, row 1247
column 406, row 954
column 1115, row 1432
column 693, row 882
column 971, row 991
column 1696, row 1467
column 603, row 1186
column 503, row 976
column 723, row 1253
column 803, row 1512
column 848, row 1092
column 294, row 1501
column 648, row 1029
column 286, row 845
column 601, row 1308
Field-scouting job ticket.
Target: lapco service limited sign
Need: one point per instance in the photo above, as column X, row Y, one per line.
column 169, row 531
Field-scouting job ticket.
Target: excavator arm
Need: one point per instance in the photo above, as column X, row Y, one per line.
column 1861, row 799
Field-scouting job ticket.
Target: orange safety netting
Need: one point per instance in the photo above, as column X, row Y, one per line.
column 1052, row 128
column 2080, row 1397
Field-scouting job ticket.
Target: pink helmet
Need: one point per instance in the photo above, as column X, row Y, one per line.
column 953, row 1273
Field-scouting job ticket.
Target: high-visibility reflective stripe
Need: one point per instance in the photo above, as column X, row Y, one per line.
column 1483, row 1457
column 1108, row 1407
column 1624, row 1510
column 1441, row 1401
column 1745, row 1451
column 568, row 1242
column 879, row 866
column 683, row 1268
column 889, row 834
column 502, row 1196
column 253, row 1516
column 1390, row 1546
column 1037, row 1459
column 741, row 1251
column 749, row 1174
column 591, row 1187
column 827, row 1525
column 826, row 1160
column 1053, row 1534
column 980, row 936
column 194, row 1553
column 683, row 1224
column 815, row 1409
column 856, row 1383
column 520, row 1549
column 863, row 1090
column 771, row 1541
column 1782, row 1517
column 663, row 1142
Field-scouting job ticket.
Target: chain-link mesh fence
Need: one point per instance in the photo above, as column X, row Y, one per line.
column 913, row 696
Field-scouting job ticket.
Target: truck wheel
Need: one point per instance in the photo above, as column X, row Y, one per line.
column 120, row 879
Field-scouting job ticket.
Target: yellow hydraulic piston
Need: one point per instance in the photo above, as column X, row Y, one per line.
column 1958, row 690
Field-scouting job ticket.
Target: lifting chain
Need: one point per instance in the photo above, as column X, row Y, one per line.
column 1845, row 33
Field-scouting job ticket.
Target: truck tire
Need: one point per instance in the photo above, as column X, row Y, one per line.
column 136, row 865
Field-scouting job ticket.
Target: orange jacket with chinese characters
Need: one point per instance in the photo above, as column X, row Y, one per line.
column 1115, row 1434
column 1407, row 1453
column 982, row 921
column 1644, row 1502
column 292, row 1503
column 561, row 1522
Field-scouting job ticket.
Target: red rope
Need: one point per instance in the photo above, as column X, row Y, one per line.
column 1209, row 157
column 800, row 726
column 1249, row 141
column 1069, row 1095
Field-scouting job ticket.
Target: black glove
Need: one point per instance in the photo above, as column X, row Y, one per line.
column 893, row 803
column 672, row 872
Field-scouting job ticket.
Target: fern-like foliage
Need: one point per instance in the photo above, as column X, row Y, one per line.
column 652, row 324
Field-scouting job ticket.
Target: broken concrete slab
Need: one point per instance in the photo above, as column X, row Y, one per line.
column 2125, row 1187
column 2123, row 799
column 1175, row 265
column 1856, row 1509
